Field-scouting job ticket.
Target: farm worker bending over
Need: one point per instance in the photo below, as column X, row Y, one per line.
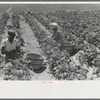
column 10, row 47
column 56, row 33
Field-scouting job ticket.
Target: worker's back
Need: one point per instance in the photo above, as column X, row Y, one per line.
column 58, row 37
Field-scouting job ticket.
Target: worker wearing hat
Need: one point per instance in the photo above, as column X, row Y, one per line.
column 10, row 46
column 56, row 33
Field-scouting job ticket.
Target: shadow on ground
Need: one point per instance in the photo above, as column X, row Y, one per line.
column 43, row 68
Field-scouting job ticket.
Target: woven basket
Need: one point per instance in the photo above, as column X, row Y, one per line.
column 33, row 56
column 66, row 47
column 36, row 61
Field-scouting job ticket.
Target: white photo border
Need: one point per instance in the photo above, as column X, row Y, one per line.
column 53, row 90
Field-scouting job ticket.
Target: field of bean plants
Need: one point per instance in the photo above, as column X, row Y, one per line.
column 80, row 30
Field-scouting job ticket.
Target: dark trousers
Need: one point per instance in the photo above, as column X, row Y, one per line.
column 11, row 56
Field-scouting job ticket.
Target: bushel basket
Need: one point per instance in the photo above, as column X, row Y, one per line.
column 35, row 60
column 66, row 46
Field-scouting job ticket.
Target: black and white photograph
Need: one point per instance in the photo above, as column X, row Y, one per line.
column 49, row 42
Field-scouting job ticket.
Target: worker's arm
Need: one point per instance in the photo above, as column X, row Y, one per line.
column 3, row 46
column 3, row 51
column 18, row 46
column 18, row 49
column 53, row 36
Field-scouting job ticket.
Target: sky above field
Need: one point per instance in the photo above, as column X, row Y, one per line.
column 47, row 7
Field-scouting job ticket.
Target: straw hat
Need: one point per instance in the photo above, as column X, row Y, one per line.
column 54, row 24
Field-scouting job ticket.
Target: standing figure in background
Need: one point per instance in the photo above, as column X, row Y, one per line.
column 10, row 46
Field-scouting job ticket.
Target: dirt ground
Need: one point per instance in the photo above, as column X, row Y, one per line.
column 32, row 45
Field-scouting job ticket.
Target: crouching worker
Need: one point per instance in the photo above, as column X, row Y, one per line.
column 57, row 36
column 10, row 47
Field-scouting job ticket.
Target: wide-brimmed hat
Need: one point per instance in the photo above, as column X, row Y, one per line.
column 53, row 24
